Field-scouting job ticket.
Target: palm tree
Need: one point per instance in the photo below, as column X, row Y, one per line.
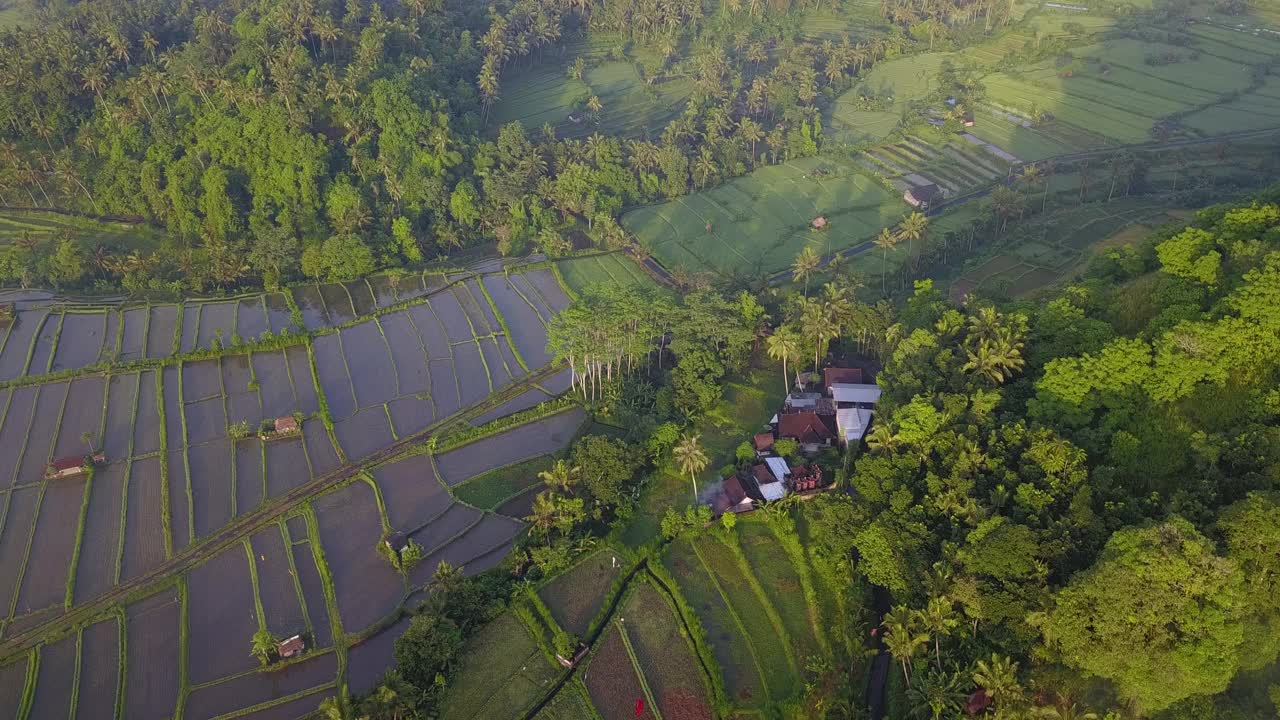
column 882, row 438
column 886, row 241
column 901, row 637
column 805, row 264
column 331, row 709
column 594, row 105
column 691, row 459
column 544, row 514
column 913, row 227
column 939, row 617
column 1063, row 712
column 999, row 678
column 750, row 132
column 937, row 695
column 263, row 645
column 783, row 345
column 562, row 477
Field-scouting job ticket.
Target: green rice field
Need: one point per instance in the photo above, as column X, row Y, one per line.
column 40, row 225
column 759, row 222
column 616, row 268
column 503, row 673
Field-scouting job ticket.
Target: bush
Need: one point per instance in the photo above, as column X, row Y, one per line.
column 239, row 430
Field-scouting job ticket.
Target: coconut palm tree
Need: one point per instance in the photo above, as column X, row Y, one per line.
column 937, row 695
column 544, row 514
column 804, row 266
column 886, row 241
column 562, row 477
column 902, row 638
column 913, row 227
column 783, row 345
column 691, row 459
column 939, row 617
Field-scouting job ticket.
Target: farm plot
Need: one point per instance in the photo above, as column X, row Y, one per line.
column 48, row 561
column 476, row 549
column 412, row 493
column 96, row 572
column 528, row 332
column 250, row 479
column 46, row 338
column 362, row 299
column 241, row 400
column 201, row 380
column 614, row 268
column 275, row 390
column 251, row 318
column 55, row 686
column 81, row 427
column 311, row 304
column 122, row 401
column 313, row 595
column 81, row 338
column 253, row 689
column 286, row 466
column 543, row 285
column 133, row 340
column 502, row 673
column 665, row 658
column 408, row 356
column 320, row 451
column 365, row 432
column 539, row 96
column 430, row 331
column 162, row 328
column 368, row 661
column 1257, row 109
column 212, row 485
column 521, row 443
column 775, row 573
column 612, row 682
column 13, row 683
column 475, row 377
column 447, row 526
column 278, row 592
column 151, row 632
column 734, row 653
column 350, row 526
column 217, row 324
column 44, row 428
column 221, row 619
column 99, row 670
column 761, row 221
column 304, row 381
column 19, row 343
column 334, row 378
column 492, row 489
column 13, row 433
column 768, row 639
column 338, row 307
column 279, row 316
column 574, row 597
column 570, row 703
column 146, row 420
column 411, row 414
column 632, row 108
column 368, row 362
column 525, row 400
column 144, row 541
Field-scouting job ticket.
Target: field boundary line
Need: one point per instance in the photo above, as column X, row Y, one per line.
column 635, row 666
column 749, row 574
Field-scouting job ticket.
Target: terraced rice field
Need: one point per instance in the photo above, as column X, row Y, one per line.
column 503, row 673
column 759, row 222
column 575, row 597
column 956, row 168
column 40, row 225
column 176, row 474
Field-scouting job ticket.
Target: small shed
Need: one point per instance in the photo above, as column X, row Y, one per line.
column 291, row 647
column 778, row 467
column 763, row 442
column 396, row 541
column 74, row 466
column 818, row 223
column 852, row 423
column 923, row 195
column 833, row 375
column 771, row 487
column 732, row 498
column 806, row 428
column 282, row 427
column 968, row 118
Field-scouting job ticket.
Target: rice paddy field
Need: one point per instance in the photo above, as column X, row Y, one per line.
column 759, row 222
column 389, row 360
column 41, row 225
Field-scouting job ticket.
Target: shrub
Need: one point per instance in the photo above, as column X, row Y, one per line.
column 239, row 430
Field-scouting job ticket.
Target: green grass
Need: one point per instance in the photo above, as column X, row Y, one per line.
column 503, row 673
column 613, row 268
column 749, row 401
column 89, row 233
column 767, row 640
column 781, row 582
column 760, row 222
column 570, row 703
column 575, row 597
column 743, row 675
column 496, row 487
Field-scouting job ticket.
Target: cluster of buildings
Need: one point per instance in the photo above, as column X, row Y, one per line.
column 831, row 410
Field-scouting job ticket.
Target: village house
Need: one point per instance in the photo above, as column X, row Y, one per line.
column 75, row 466
column 854, row 402
column 396, row 542
column 808, row 429
column 281, row 427
column 768, row 486
column 818, row 223
column 763, row 443
column 732, row 497
column 923, row 196
column 291, row 647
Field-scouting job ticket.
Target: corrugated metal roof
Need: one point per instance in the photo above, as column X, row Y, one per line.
column 778, row 467
column 853, row 422
column 773, row 491
column 851, row 393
